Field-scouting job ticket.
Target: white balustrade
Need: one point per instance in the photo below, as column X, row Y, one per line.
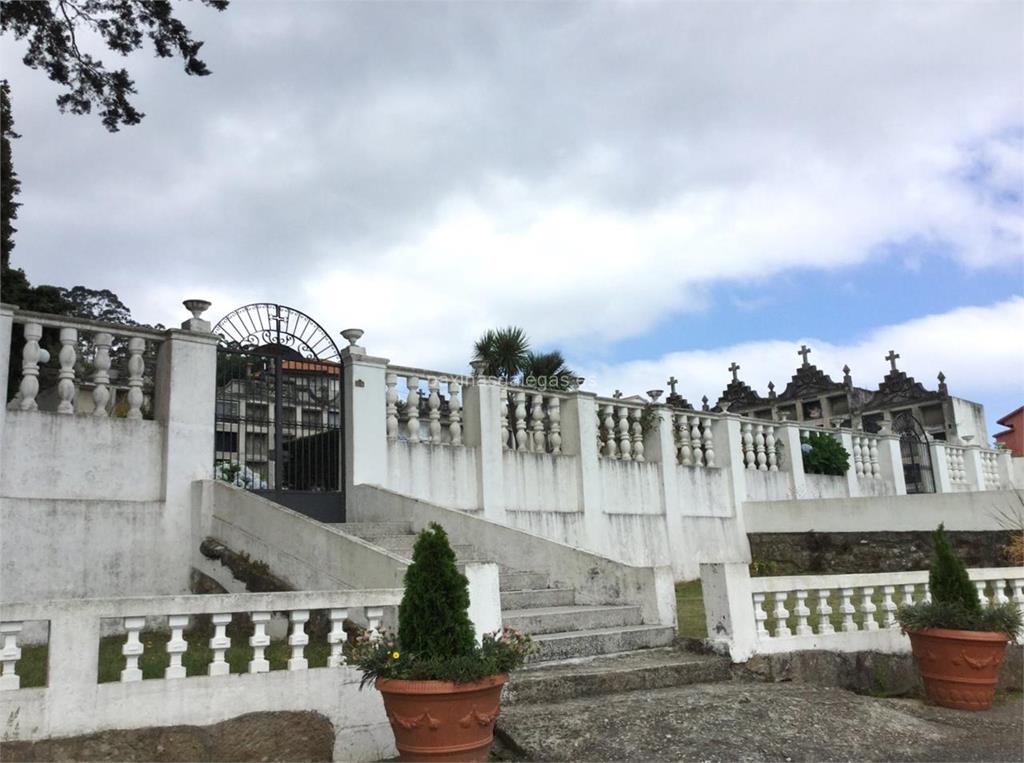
column 760, row 616
column 66, row 383
column 443, row 422
column 990, row 470
column 637, row 433
column 521, row 438
column 136, row 369
column 781, row 615
column 625, row 443
column 537, row 442
column 298, row 639
column 259, row 641
column 101, row 376
column 683, row 445
column 749, row 454
column 770, row 444
column 868, row 609
column 825, row 626
column 374, row 615
column 337, row 638
column 176, row 646
column 555, row 424
column 955, row 463
column 708, row 442
column 219, row 644
column 10, row 653
column 132, row 649
column 759, row 447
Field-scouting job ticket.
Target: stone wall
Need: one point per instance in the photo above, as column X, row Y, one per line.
column 835, row 553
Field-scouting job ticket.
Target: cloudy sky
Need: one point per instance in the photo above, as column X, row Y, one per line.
column 655, row 188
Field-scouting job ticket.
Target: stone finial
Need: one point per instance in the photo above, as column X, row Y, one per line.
column 352, row 336
column 771, row 390
column 891, row 357
column 654, row 394
column 704, row 403
column 803, row 352
column 942, row 384
column 847, row 379
column 196, row 323
column 478, row 367
column 735, row 371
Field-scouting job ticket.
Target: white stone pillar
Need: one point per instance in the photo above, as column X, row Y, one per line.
column 484, row 598
column 365, row 419
column 974, row 472
column 793, row 458
column 940, row 468
column 186, row 388
column 852, row 481
column 728, row 436
column 890, row 461
column 1004, row 461
column 6, row 332
column 660, row 446
column 579, row 438
column 481, row 418
column 729, row 609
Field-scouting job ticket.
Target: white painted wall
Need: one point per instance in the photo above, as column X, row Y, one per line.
column 439, row 473
column 539, row 482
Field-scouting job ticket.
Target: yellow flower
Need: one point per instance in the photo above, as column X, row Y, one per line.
column 395, row 655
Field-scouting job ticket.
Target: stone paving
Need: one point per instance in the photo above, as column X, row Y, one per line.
column 739, row 721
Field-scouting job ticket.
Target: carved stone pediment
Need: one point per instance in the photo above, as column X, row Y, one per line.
column 899, row 388
column 739, row 396
column 676, row 400
column 810, row 381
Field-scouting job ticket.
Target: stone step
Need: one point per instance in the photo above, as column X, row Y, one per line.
column 373, row 530
column 561, row 646
column 537, row 597
column 517, row 581
column 573, row 618
column 610, row 674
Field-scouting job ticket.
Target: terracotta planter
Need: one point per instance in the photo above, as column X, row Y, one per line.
column 959, row 668
column 441, row 720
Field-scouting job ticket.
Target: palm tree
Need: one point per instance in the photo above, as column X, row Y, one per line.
column 503, row 352
column 547, row 370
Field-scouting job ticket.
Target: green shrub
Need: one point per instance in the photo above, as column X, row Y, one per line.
column 955, row 604
column 435, row 639
column 823, row 454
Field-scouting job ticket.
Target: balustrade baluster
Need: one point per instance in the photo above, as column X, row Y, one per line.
column 847, row 609
column 696, row 442
column 637, row 434
column 683, row 430
column 520, row 413
column 600, row 431
column 759, row 448
column 981, row 585
column 391, row 404
column 927, row 592
column 298, row 639
column 412, row 408
column 101, row 377
column 868, row 609
column 373, row 617
column 858, row 456
column 132, row 649
column 10, row 653
column 219, row 644
column 555, row 421
column 748, row 446
column 30, row 353
column 781, row 615
column 708, row 440
column 1017, row 586
column 825, row 626
column 434, row 409
column 176, row 646
column 611, row 447
column 259, row 641
column 337, row 638
column 999, row 592
column 760, row 616
column 908, row 594
column 136, row 369
column 802, row 613
column 66, row 378
column 503, row 411
column 876, row 467
column 625, row 445
column 455, row 413
column 888, row 607
column 537, row 444
column 770, row 447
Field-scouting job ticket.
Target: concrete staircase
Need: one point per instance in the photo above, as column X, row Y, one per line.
column 561, row 628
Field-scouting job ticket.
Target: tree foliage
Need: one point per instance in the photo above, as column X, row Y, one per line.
column 433, row 618
column 55, row 32
column 823, row 454
column 947, row 576
column 506, row 355
column 10, row 186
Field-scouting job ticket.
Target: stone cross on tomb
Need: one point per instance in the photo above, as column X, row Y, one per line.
column 804, row 351
column 672, row 382
column 618, row 394
column 891, row 357
column 734, row 368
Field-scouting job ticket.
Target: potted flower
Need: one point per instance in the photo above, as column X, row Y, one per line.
column 441, row 688
column 957, row 643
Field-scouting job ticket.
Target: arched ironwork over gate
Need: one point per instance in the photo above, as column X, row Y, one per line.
column 279, row 414
column 917, row 460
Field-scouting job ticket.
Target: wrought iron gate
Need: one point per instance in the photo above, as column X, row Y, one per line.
column 278, row 418
column 917, row 461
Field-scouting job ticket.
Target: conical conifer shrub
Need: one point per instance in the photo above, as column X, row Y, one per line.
column 948, row 578
column 433, row 618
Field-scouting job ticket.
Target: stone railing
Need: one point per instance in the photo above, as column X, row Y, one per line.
column 694, row 439
column 990, row 471
column 531, row 420
column 956, row 464
column 59, row 386
column 841, row 613
column 74, row 700
column 427, row 416
column 759, row 446
column 866, row 464
column 969, row 467
column 620, row 431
